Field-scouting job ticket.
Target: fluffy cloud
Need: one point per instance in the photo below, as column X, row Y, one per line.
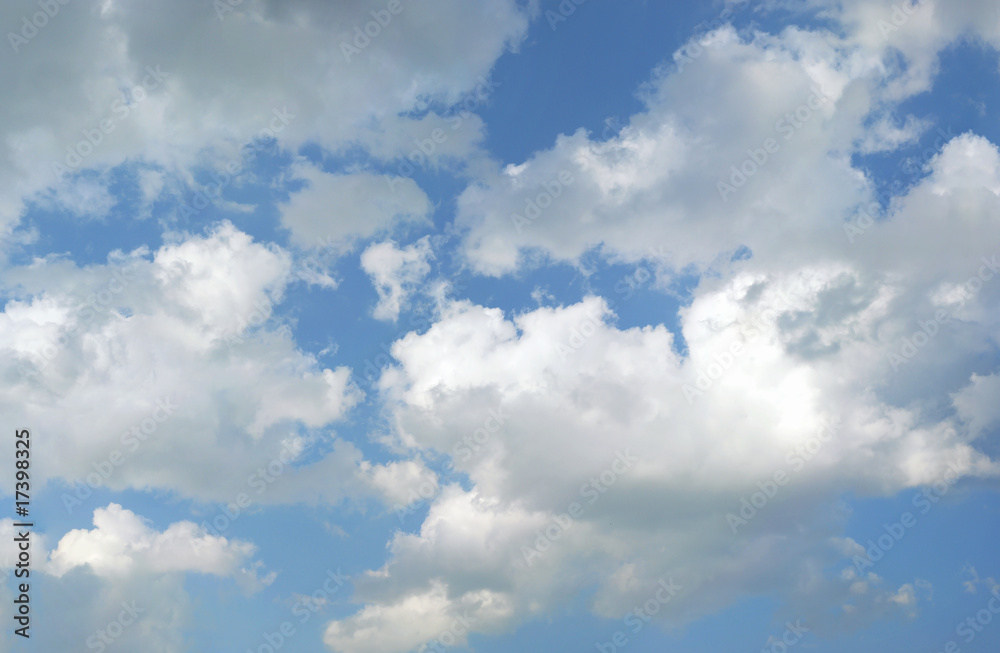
column 122, row 544
column 400, row 482
column 598, row 416
column 802, row 359
column 169, row 369
column 396, row 273
column 759, row 159
column 265, row 68
column 583, row 457
column 674, row 179
column 133, row 576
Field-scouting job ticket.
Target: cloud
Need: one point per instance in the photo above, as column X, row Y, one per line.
column 580, row 457
column 976, row 403
column 336, row 210
column 242, row 71
column 672, row 177
column 576, row 394
column 775, row 346
column 420, row 618
column 133, row 577
column 399, row 482
column 395, row 272
column 121, row 544
column 168, row 369
column 885, row 135
column 761, row 159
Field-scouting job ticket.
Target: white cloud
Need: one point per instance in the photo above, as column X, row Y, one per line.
column 396, row 273
column 133, row 577
column 661, row 181
column 976, row 403
column 193, row 322
column 224, row 88
column 174, row 360
column 122, row 543
column 400, row 483
column 886, row 135
column 151, row 184
column 657, row 182
column 335, row 210
column 776, row 344
column 576, row 392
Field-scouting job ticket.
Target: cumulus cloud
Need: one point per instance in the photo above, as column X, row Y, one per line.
column 396, row 273
column 122, row 543
column 598, row 416
column 673, row 176
column 254, row 69
column 167, row 369
column 133, row 578
column 400, row 482
column 851, row 346
column 801, row 355
column 760, row 159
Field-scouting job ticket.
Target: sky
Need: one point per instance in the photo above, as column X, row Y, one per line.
column 506, row 325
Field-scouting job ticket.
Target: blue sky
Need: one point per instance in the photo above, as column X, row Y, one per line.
column 424, row 400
